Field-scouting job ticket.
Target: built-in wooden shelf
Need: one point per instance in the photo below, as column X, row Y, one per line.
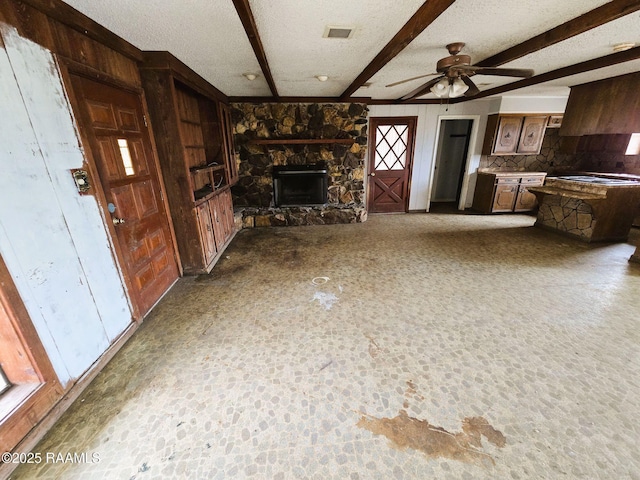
column 207, row 168
column 301, row 141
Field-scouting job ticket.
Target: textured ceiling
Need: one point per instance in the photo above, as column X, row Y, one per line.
column 208, row 36
column 292, row 35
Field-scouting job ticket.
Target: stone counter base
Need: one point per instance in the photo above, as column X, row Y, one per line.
column 568, row 215
column 294, row 216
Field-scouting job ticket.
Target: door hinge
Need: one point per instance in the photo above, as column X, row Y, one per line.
column 144, row 117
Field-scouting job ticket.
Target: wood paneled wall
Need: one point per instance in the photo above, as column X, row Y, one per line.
column 604, row 107
column 74, row 37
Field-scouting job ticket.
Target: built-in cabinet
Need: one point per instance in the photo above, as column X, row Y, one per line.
column 500, row 192
column 216, row 224
column 514, row 134
column 191, row 123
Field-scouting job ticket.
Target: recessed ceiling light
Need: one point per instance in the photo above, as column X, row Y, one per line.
column 366, row 85
column 250, row 76
column 621, row 47
column 322, row 78
column 338, row 32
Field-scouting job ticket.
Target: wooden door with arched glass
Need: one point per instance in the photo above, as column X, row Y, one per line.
column 391, row 149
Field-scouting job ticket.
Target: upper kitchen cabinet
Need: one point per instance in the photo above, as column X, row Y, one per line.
column 191, row 122
column 514, row 134
column 532, row 134
column 605, row 107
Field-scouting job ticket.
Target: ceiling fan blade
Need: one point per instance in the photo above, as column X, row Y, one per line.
column 505, row 72
column 409, row 79
column 422, row 89
column 473, row 90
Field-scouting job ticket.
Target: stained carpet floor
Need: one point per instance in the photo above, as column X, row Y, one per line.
column 440, row 346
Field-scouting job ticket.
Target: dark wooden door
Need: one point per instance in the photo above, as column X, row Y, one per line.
column 116, row 129
column 390, row 160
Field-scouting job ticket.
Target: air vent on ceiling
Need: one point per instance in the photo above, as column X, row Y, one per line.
column 338, row 32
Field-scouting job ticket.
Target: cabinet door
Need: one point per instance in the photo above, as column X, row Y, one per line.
column 226, row 213
column 526, row 200
column 207, row 238
column 507, row 136
column 218, row 225
column 505, row 197
column 532, row 135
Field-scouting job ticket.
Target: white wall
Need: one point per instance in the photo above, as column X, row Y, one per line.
column 429, row 117
column 52, row 239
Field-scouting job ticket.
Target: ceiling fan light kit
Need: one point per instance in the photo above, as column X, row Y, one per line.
column 441, row 88
column 458, row 88
column 455, row 72
column 450, row 88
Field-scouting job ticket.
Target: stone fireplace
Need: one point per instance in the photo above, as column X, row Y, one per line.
column 276, row 138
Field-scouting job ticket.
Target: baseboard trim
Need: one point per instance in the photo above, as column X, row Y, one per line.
column 29, row 442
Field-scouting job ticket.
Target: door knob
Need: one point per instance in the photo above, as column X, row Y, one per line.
column 372, row 174
column 117, row 221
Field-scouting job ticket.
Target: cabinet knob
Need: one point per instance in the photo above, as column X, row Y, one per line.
column 118, row 221
column 372, row 174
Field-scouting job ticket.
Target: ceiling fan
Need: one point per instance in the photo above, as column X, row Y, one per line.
column 454, row 72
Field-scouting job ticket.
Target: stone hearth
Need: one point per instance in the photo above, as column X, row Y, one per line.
column 337, row 123
column 294, row 216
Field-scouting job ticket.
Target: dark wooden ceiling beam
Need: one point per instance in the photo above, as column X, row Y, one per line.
column 426, row 14
column 599, row 16
column 296, row 99
column 249, row 23
column 593, row 64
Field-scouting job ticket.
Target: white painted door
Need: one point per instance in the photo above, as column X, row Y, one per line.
column 52, row 239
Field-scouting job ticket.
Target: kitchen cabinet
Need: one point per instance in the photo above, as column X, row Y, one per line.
column 555, row 121
column 514, row 134
column 532, row 134
column 501, row 192
column 192, row 127
column 504, row 138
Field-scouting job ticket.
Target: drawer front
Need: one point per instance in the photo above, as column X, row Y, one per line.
column 507, row 180
column 532, row 181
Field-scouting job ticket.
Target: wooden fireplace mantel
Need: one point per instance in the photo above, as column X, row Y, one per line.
column 301, row 141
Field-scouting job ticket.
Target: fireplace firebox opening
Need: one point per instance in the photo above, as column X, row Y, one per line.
column 299, row 185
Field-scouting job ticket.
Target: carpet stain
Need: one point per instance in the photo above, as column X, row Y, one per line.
column 374, row 349
column 405, row 432
column 410, row 392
